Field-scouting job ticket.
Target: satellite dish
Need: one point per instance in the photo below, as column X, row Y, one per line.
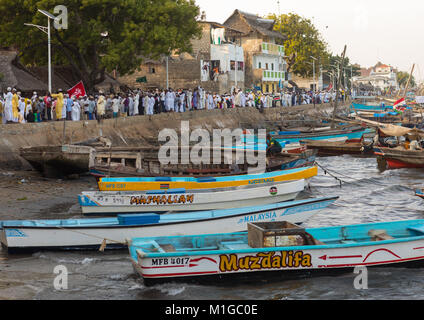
column 48, row 14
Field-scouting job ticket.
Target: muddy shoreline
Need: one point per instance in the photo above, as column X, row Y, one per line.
column 26, row 195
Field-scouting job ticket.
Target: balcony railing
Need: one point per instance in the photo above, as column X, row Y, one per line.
column 274, row 49
column 269, row 75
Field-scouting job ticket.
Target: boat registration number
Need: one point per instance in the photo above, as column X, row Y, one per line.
column 170, row 261
column 116, row 186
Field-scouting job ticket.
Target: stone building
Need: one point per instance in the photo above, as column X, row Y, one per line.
column 381, row 77
column 211, row 65
column 265, row 65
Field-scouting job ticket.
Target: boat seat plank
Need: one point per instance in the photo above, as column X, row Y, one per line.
column 379, row 235
column 419, row 228
column 235, row 245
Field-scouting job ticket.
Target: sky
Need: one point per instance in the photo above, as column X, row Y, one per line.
column 389, row 31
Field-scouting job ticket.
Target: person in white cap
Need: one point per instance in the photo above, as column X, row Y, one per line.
column 34, row 98
column 8, row 113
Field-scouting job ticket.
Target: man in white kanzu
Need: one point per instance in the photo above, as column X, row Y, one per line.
column 8, row 109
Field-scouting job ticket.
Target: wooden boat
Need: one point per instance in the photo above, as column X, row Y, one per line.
column 18, row 236
column 152, row 168
column 190, row 183
column 59, row 160
column 181, row 200
column 336, row 148
column 338, row 135
column 398, row 158
column 373, row 108
column 277, row 250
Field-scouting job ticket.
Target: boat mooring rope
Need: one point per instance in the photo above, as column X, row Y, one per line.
column 330, row 173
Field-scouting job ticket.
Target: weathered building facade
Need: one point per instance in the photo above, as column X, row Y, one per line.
column 265, row 65
column 216, row 64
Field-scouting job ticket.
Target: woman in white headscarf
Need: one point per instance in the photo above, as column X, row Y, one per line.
column 76, row 110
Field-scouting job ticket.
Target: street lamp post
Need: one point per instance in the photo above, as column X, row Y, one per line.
column 313, row 66
column 46, row 30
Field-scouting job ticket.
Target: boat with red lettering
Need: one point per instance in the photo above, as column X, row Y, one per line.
column 277, row 250
column 182, row 200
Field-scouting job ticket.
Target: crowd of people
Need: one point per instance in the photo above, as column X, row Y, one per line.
column 15, row 108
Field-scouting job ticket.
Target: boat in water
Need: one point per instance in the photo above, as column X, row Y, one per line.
column 182, row 200
column 277, row 250
column 398, row 158
column 329, row 135
column 192, row 183
column 112, row 233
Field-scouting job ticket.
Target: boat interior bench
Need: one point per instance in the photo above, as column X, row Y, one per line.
column 419, row 229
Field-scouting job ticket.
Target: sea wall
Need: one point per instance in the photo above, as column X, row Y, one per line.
column 138, row 130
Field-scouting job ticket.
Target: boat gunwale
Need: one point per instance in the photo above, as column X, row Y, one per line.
column 145, row 255
column 275, row 206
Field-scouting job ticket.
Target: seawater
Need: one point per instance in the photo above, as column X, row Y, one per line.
column 366, row 195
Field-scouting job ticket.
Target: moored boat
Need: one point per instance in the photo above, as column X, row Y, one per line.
column 419, row 193
column 277, row 251
column 74, row 234
column 190, row 183
column 336, row 148
column 181, row 200
column 363, row 107
column 398, row 158
column 331, row 135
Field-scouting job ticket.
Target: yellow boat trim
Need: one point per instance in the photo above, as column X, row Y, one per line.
column 191, row 185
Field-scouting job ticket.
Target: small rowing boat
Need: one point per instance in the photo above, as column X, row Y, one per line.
column 277, row 250
column 190, row 183
column 74, row 234
column 182, row 200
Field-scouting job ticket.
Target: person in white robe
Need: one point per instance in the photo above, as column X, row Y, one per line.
column 136, row 103
column 189, row 100
column 151, row 105
column 76, row 110
column 146, row 100
column 130, row 105
column 8, row 108
column 21, row 107
column 182, row 102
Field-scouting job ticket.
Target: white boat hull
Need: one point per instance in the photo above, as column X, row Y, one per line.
column 102, row 203
column 280, row 262
column 62, row 237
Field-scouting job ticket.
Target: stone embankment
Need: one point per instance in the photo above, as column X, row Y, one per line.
column 139, row 130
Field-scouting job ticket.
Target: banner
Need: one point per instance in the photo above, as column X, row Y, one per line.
column 78, row 90
column 419, row 99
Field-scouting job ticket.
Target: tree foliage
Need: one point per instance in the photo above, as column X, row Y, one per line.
column 402, row 78
column 304, row 41
column 135, row 29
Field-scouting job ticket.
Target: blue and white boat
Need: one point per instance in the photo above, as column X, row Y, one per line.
column 74, row 234
column 277, row 250
column 370, row 108
column 331, row 135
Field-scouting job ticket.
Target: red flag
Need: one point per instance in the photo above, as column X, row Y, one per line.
column 78, row 90
column 398, row 104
